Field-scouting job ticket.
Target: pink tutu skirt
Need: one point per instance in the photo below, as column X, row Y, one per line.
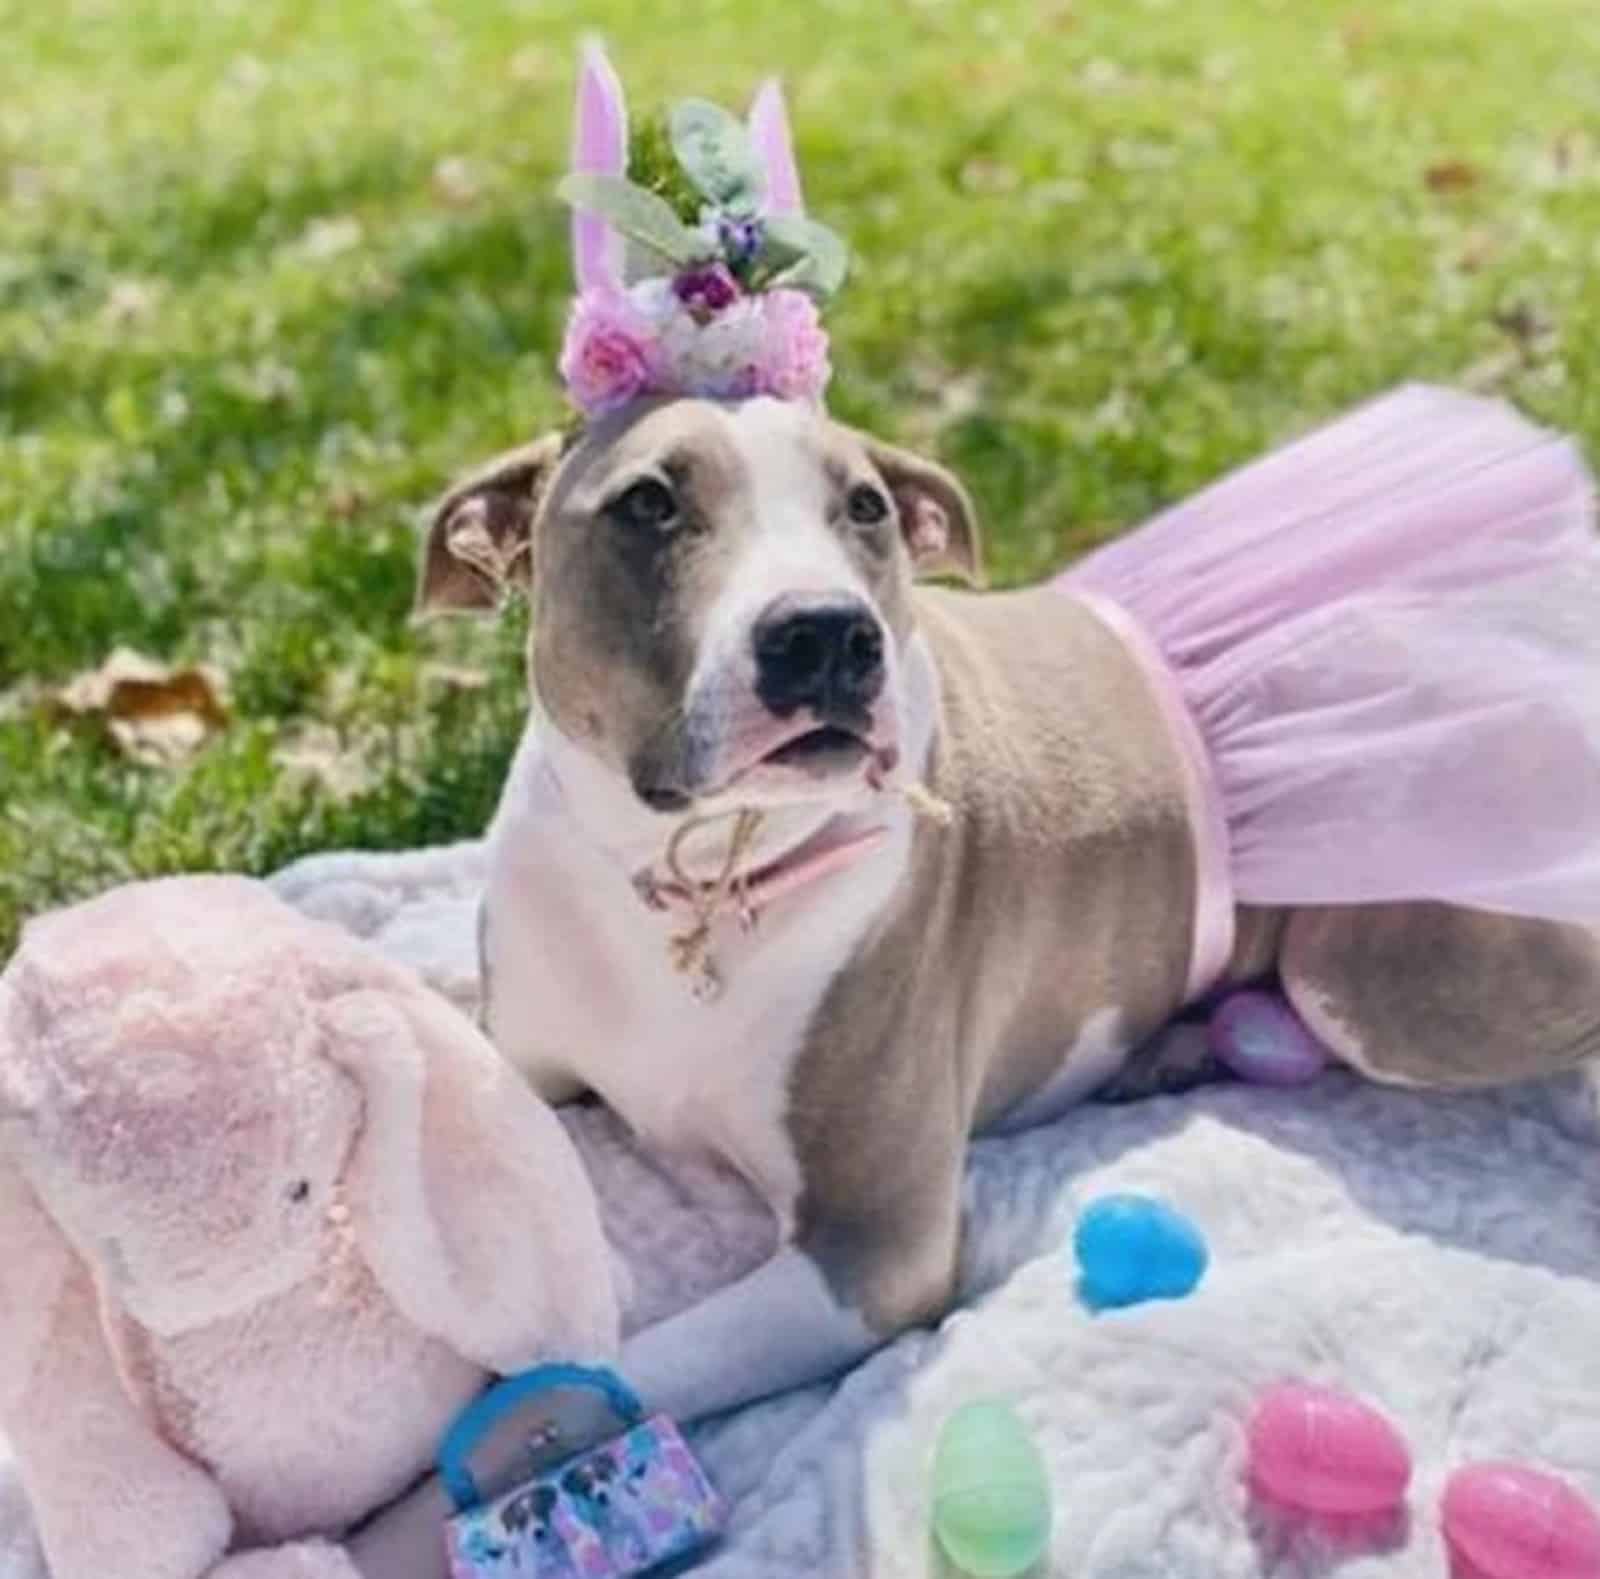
column 1380, row 649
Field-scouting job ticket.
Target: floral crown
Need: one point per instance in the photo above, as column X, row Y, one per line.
column 714, row 295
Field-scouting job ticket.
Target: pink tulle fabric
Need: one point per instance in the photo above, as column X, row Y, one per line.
column 1388, row 636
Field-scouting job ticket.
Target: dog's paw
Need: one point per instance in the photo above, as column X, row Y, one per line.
column 1175, row 1059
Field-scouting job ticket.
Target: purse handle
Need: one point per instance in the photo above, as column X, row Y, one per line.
column 492, row 1405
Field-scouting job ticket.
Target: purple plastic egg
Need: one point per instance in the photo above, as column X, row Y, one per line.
column 1505, row 1521
column 1322, row 1451
column 1261, row 1039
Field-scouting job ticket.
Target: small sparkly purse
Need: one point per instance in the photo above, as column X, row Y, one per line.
column 535, row 1497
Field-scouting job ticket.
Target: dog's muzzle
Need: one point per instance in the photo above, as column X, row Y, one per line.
column 821, row 654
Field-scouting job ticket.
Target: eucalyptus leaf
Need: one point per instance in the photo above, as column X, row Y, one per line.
column 644, row 263
column 782, row 244
column 640, row 216
column 812, row 258
column 716, row 154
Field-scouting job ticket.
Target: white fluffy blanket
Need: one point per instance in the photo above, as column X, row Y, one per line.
column 1438, row 1256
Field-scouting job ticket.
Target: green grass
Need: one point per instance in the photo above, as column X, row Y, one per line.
column 1106, row 249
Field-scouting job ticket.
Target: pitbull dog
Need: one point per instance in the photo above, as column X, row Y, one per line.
column 725, row 623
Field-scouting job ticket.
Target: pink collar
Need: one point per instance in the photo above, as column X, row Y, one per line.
column 831, row 849
column 745, row 892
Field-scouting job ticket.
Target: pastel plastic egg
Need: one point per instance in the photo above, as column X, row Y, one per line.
column 1261, row 1039
column 1511, row 1522
column 991, row 1497
column 1322, row 1451
column 1131, row 1248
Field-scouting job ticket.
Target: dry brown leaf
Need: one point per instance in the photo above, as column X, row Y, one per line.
column 1570, row 150
column 1489, row 374
column 1524, row 325
column 131, row 301
column 347, row 500
column 152, row 712
column 988, row 175
column 1356, row 31
column 267, row 382
column 319, row 755
column 986, row 72
column 329, row 236
column 454, row 677
column 456, row 182
column 1452, row 175
column 341, row 691
column 1479, row 249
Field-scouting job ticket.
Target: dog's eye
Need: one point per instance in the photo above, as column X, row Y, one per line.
column 646, row 505
column 865, row 505
column 299, row 1191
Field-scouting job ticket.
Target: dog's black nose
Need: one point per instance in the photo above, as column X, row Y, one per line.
column 825, row 654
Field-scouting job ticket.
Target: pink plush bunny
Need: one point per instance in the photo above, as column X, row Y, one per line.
column 270, row 1214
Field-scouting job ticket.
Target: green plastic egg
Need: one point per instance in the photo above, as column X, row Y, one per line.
column 991, row 1498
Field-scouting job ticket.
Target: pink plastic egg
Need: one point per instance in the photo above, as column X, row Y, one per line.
column 1322, row 1451
column 1509, row 1522
column 1260, row 1038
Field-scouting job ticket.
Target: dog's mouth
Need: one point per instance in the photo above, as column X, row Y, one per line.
column 802, row 761
column 822, row 752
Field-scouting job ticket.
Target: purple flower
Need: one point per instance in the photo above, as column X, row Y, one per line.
column 606, row 359
column 706, row 289
column 794, row 347
column 740, row 239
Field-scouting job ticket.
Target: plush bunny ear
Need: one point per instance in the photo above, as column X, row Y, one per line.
column 37, row 1259
column 37, row 1263
column 769, row 131
column 465, row 1192
column 599, row 147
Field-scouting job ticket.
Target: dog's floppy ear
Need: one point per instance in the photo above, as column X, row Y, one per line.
column 478, row 539
column 937, row 518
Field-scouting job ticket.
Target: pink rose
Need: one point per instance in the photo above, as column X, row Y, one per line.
column 794, row 347
column 606, row 357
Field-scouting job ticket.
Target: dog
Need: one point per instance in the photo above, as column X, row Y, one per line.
column 712, row 901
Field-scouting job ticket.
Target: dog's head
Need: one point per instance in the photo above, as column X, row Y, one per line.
column 721, row 592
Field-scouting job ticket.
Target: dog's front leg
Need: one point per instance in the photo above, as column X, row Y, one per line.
column 780, row 1326
column 859, row 1272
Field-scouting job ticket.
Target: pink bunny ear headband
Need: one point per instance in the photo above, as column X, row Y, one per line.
column 721, row 303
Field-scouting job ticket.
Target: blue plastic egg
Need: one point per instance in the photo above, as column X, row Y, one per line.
column 1131, row 1248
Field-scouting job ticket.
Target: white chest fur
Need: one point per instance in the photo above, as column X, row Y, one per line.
column 582, row 989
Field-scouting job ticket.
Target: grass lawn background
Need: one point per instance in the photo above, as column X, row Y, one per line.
column 271, row 271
